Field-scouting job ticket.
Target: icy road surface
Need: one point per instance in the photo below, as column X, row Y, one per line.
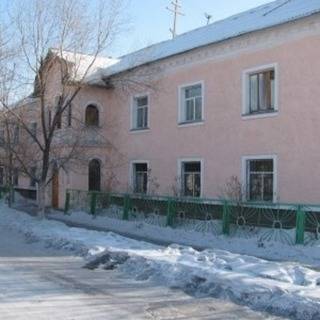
column 41, row 283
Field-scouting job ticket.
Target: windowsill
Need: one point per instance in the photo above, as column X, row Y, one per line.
column 139, row 130
column 90, row 127
column 191, row 123
column 267, row 114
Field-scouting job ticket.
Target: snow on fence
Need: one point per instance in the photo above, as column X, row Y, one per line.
column 287, row 223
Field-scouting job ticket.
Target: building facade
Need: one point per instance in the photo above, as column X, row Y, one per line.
column 246, row 106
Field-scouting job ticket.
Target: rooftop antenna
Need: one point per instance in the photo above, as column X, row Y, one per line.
column 175, row 10
column 208, row 17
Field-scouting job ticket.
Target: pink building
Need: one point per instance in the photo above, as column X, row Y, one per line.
column 239, row 97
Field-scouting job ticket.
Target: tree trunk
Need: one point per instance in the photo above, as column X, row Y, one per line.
column 41, row 199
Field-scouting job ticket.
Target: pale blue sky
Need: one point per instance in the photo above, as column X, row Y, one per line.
column 151, row 21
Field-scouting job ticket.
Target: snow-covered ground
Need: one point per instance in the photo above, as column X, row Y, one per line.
column 265, row 243
column 284, row 288
column 39, row 283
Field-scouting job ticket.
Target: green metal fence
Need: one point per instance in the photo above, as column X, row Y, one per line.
column 288, row 223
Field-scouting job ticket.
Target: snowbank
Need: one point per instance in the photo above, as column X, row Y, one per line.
column 207, row 236
column 286, row 289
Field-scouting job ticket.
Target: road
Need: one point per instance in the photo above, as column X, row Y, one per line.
column 42, row 283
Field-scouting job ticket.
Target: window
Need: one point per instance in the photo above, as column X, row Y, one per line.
column 16, row 135
column 15, row 178
column 33, row 128
column 2, row 137
column 92, row 115
column 260, row 91
column 191, row 178
column 140, row 113
column 58, row 102
column 1, row 176
column 69, row 117
column 94, row 175
column 59, row 120
column 191, row 108
column 140, row 177
column 49, row 118
column 260, row 179
column 33, row 180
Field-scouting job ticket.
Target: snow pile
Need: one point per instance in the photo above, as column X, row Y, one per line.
column 250, row 242
column 283, row 288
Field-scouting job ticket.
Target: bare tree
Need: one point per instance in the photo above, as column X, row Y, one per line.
column 50, row 34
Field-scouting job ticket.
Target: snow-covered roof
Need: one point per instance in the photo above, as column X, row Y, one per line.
column 83, row 61
column 265, row 16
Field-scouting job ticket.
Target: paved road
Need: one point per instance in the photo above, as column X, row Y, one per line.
column 41, row 283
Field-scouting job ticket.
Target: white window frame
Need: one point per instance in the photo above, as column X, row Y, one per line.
column 246, row 91
column 131, row 172
column 133, row 127
column 183, row 160
column 181, row 104
column 275, row 173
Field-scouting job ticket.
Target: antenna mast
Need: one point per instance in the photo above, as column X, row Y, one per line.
column 175, row 10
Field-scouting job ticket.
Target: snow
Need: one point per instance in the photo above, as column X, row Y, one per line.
column 259, row 242
column 265, row 16
column 86, row 65
column 284, row 288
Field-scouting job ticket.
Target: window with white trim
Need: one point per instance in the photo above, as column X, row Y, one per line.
column 191, row 178
column 260, row 179
column 191, row 104
column 140, row 113
column 260, row 91
column 140, row 177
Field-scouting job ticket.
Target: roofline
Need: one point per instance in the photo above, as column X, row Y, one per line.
column 305, row 16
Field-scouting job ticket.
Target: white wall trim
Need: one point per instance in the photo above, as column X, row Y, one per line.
column 132, row 162
column 132, row 100
column 245, row 90
column 180, row 89
column 244, row 159
column 191, row 159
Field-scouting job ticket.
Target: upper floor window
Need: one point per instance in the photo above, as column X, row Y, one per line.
column 16, row 135
column 140, row 113
column 260, row 91
column 69, row 115
column 92, row 116
column 58, row 104
column 191, row 103
column 33, row 128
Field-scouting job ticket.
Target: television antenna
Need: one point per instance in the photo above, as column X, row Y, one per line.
column 208, row 17
column 175, row 9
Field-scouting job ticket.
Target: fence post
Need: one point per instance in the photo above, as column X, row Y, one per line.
column 225, row 219
column 93, row 203
column 300, row 225
column 170, row 212
column 67, row 203
column 126, row 207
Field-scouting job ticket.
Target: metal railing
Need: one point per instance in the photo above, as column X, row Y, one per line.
column 288, row 223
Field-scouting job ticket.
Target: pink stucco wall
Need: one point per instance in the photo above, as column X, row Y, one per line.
column 224, row 137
